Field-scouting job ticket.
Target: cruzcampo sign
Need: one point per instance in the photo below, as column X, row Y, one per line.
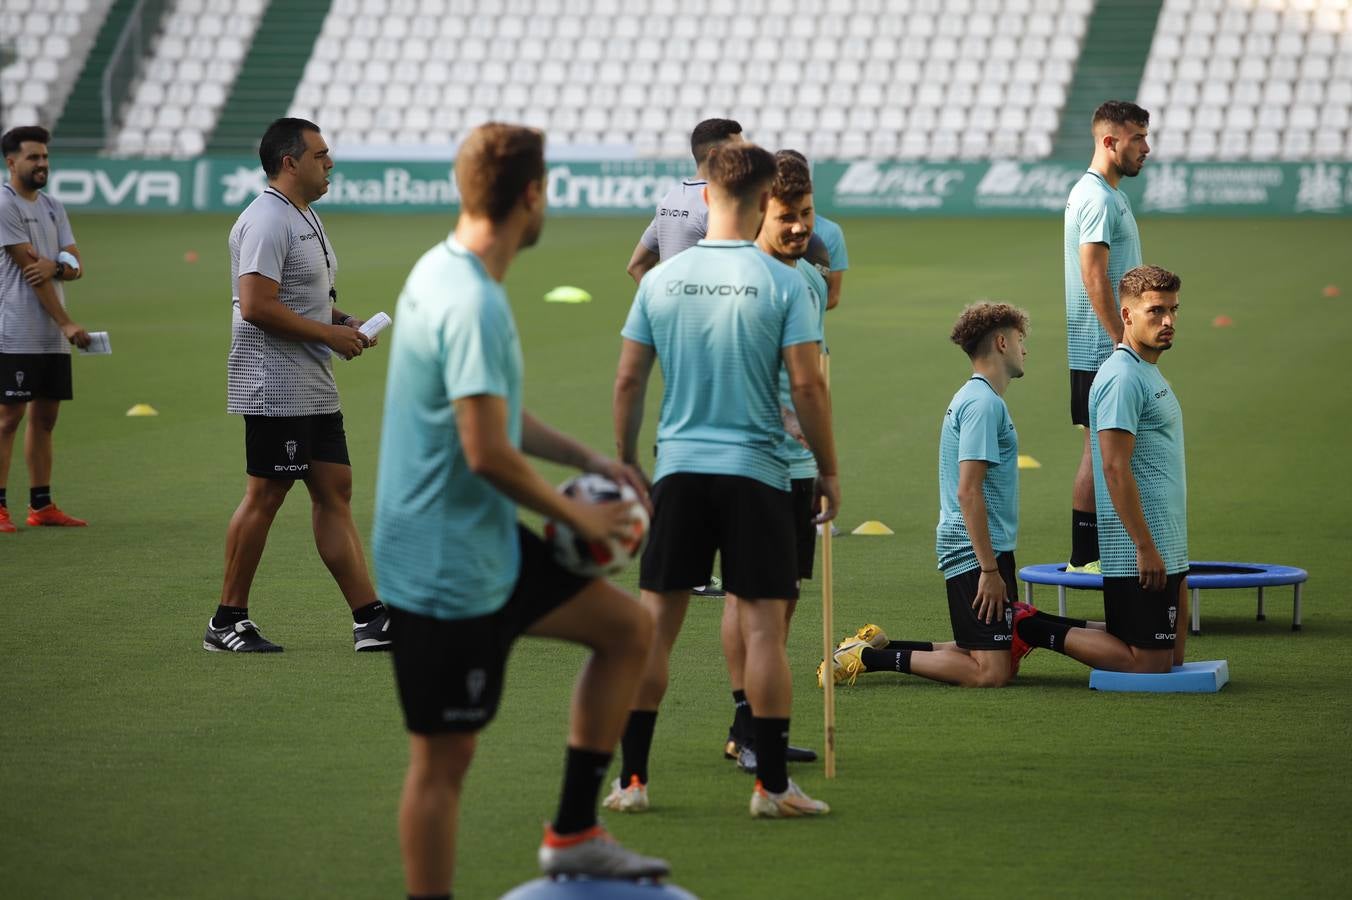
column 864, row 187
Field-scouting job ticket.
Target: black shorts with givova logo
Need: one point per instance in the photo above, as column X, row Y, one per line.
column 1141, row 618
column 970, row 631
column 284, row 446
column 449, row 672
column 34, row 376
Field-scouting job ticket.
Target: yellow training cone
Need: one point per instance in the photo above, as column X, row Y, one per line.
column 1027, row 462
column 567, row 294
column 143, row 409
column 873, row 526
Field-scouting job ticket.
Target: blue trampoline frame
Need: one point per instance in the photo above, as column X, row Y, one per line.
column 1253, row 575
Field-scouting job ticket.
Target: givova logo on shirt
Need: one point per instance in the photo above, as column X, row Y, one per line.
column 720, row 290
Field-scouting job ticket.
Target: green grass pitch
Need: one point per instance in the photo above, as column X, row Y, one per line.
column 133, row 764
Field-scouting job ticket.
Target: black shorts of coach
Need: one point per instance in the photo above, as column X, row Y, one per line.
column 1080, row 383
column 805, row 529
column 1141, row 618
column 748, row 523
column 283, row 447
column 450, row 672
column 35, row 376
column 970, row 630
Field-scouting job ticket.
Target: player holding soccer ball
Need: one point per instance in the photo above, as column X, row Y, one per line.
column 722, row 318
column 461, row 578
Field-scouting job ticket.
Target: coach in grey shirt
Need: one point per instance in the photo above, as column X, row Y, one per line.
column 285, row 326
column 682, row 215
column 35, row 330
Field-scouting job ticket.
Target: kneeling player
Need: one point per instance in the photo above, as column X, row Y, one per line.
column 978, row 521
column 1140, row 488
column 462, row 579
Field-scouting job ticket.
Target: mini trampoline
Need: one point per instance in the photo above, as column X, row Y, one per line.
column 1201, row 576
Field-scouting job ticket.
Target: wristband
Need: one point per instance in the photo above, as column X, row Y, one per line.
column 990, row 571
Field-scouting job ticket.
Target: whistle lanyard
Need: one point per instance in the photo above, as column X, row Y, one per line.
column 319, row 233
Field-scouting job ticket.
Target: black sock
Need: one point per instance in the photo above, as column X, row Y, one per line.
column 2, row 498
column 1084, row 547
column 38, row 497
column 635, row 744
column 363, row 614
column 741, row 717
column 924, row 646
column 1044, row 632
column 1064, row 620
column 227, row 616
column 772, row 744
column 430, row 896
column 888, row 660
column 583, row 772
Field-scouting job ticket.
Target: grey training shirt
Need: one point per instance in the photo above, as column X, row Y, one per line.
column 25, row 327
column 680, row 222
column 270, row 375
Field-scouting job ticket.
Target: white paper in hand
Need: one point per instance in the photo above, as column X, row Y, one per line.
column 99, row 344
column 375, row 325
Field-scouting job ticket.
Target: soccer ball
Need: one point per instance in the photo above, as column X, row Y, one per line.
column 593, row 559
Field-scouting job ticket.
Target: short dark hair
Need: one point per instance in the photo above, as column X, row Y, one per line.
column 1143, row 279
column 791, row 153
column 709, row 134
column 495, row 163
column 9, row 144
column 792, row 178
column 980, row 320
column 284, row 137
column 1119, row 112
column 741, row 169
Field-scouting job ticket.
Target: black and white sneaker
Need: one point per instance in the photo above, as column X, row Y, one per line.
column 713, row 589
column 373, row 636
column 242, row 637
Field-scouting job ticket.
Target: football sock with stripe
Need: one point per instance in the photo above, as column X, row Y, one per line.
column 583, row 772
column 741, row 717
column 3, row 502
column 38, row 497
column 925, row 646
column 1044, row 633
column 363, row 614
column 228, row 616
column 635, row 744
column 1084, row 547
column 1064, row 620
column 886, row 660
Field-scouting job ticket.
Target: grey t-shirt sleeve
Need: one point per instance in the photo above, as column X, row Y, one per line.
column 65, row 236
column 649, row 239
column 12, row 228
column 262, row 248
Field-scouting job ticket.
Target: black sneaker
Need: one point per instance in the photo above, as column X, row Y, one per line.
column 242, row 637
column 373, row 636
column 713, row 589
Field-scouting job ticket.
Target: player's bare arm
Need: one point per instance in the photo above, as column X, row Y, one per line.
column 631, row 384
column 1094, row 272
column 545, row 442
column 812, row 401
column 51, row 304
column 1116, row 447
column 260, row 306
column 989, row 602
column 834, row 280
column 640, row 262
column 482, row 422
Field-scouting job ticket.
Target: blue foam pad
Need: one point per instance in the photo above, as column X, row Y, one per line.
column 1205, row 677
column 596, row 889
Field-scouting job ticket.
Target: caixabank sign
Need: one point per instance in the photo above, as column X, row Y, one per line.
column 865, row 187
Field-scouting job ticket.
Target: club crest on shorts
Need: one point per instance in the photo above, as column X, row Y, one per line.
column 291, row 450
column 475, row 682
column 1173, row 616
column 18, row 378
